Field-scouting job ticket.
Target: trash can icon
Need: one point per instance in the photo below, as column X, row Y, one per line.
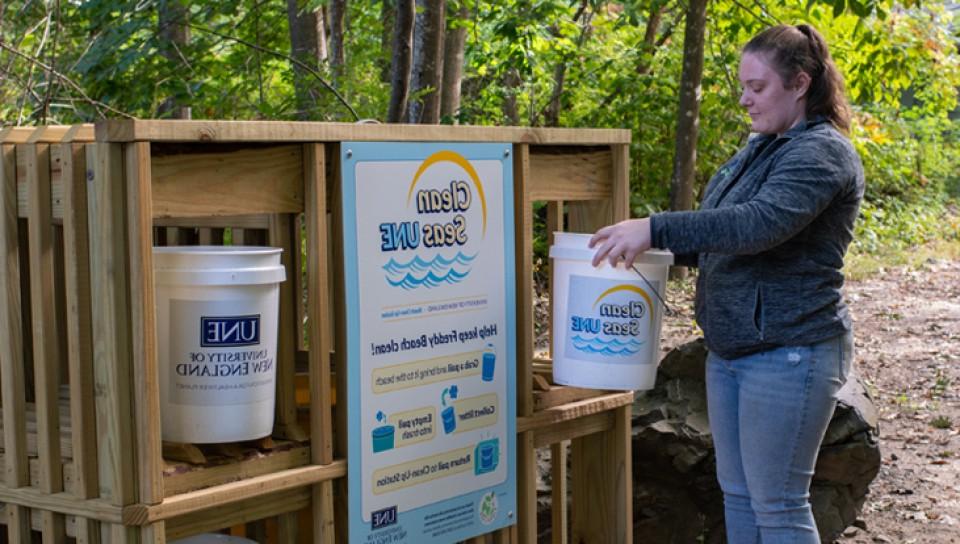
column 486, row 456
column 489, row 363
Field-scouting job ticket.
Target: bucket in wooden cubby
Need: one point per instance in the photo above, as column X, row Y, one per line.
column 217, row 311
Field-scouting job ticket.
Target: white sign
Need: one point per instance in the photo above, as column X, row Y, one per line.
column 429, row 274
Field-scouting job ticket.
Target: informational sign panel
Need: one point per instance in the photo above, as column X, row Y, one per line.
column 429, row 277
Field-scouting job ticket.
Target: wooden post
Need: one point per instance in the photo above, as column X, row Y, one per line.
column 46, row 361
column 318, row 310
column 12, row 366
column 143, row 329
column 111, row 333
column 281, row 235
column 526, row 455
column 79, row 340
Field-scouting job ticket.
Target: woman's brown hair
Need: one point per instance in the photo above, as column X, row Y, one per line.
column 795, row 49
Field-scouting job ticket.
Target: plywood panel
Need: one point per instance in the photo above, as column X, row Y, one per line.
column 558, row 173
column 244, row 181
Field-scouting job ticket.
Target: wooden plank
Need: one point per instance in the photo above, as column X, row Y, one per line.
column 340, row 338
column 286, row 426
column 574, row 410
column 56, row 184
column 573, row 428
column 83, row 432
column 16, row 135
column 46, row 361
column 52, row 134
column 526, row 488
column 219, row 517
column 601, row 484
column 259, row 221
column 523, row 221
column 146, row 374
column 558, row 492
column 112, row 348
column 12, row 365
column 554, row 224
column 560, row 394
column 621, row 181
column 178, row 505
column 246, row 181
column 183, row 478
column 558, row 173
column 116, row 130
column 318, row 334
column 62, row 503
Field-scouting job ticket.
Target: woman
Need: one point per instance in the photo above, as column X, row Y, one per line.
column 769, row 240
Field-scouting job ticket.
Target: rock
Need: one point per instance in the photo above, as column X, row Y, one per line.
column 850, row 532
column 676, row 495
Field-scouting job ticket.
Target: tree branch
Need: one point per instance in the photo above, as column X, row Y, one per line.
column 289, row 58
column 67, row 80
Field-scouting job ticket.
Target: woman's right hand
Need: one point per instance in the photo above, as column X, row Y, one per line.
column 622, row 241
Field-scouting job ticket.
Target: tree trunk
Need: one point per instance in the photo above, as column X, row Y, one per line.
column 336, row 11
column 402, row 59
column 174, row 33
column 688, row 114
column 453, row 62
column 427, row 62
column 551, row 115
column 307, row 45
column 388, row 20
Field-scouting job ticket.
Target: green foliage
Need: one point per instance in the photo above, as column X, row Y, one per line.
column 899, row 59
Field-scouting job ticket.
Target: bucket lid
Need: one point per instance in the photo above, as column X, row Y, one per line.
column 217, row 265
column 575, row 246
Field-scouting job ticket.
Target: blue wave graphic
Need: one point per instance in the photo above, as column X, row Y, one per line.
column 420, row 273
column 606, row 347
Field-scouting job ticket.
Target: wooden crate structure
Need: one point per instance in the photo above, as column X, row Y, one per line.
column 81, row 306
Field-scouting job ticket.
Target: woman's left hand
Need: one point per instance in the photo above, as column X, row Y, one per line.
column 624, row 240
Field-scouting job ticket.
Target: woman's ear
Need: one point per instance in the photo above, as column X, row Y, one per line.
column 801, row 84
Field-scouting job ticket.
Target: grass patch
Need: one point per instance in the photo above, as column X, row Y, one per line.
column 862, row 265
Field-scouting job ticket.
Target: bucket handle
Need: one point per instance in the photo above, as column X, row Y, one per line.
column 666, row 307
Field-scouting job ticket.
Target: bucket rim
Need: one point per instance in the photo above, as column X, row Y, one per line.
column 217, row 250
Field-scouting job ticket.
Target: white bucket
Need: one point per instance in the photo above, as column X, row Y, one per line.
column 606, row 320
column 217, row 309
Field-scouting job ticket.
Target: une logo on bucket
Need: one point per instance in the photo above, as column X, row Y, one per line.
column 614, row 323
column 227, row 331
column 442, row 211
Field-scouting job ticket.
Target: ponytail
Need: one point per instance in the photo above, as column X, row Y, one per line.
column 795, row 49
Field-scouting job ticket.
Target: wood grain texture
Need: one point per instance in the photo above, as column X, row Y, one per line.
column 142, row 297
column 12, row 364
column 83, row 416
column 565, row 174
column 284, row 131
column 259, row 180
column 46, row 356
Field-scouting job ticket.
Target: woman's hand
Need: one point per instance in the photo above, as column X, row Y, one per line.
column 625, row 241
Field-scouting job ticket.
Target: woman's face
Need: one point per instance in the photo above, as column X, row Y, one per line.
column 773, row 106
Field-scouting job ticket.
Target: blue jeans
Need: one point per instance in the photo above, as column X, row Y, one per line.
column 768, row 414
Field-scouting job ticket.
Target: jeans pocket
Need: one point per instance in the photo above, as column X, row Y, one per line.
column 845, row 355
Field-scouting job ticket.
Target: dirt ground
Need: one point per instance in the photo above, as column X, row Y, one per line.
column 907, row 326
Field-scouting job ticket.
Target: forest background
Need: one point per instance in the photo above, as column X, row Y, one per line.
column 666, row 69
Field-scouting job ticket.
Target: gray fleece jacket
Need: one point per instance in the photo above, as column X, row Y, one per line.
column 769, row 240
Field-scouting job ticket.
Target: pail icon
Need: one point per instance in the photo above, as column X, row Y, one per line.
column 489, row 363
column 487, row 455
column 449, row 417
column 217, row 310
column 383, row 438
column 606, row 320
